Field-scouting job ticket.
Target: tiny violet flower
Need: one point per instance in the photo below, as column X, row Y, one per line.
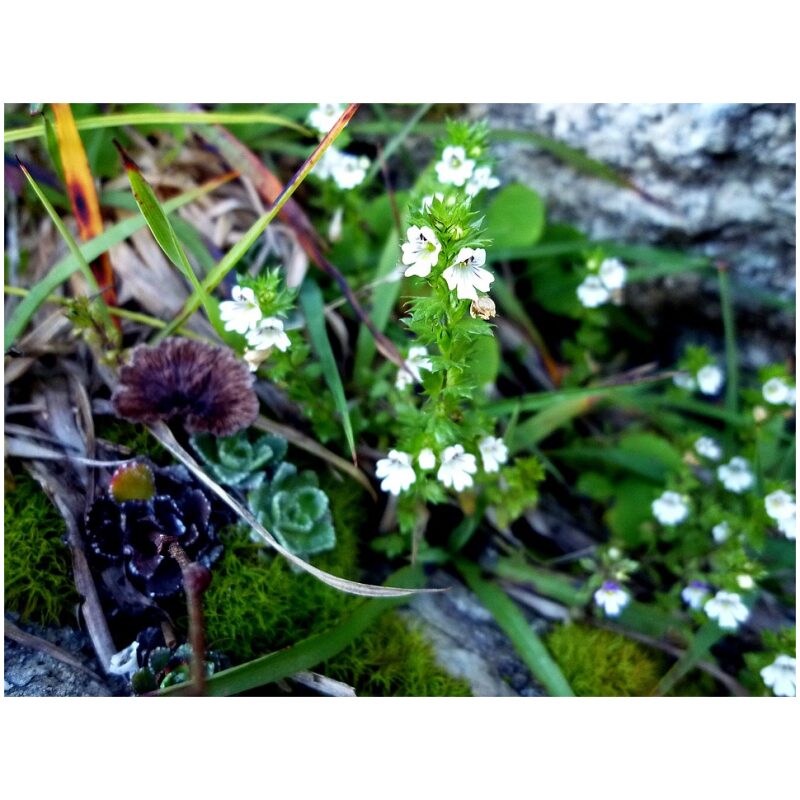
column 721, row 532
column 426, row 459
column 242, row 313
column 493, row 453
column 466, row 274
column 710, row 379
column 481, row 179
column 780, row 505
column 776, row 391
column 592, row 292
column 781, row 676
column 735, row 475
column 268, row 333
column 727, row 609
column 671, row 508
column 457, row 468
column 125, row 662
column 694, row 594
column 324, row 116
column 612, row 598
column 421, row 251
column 613, row 274
column 396, row 471
column 708, row 448
column 454, row 167
column 788, row 526
column 417, row 360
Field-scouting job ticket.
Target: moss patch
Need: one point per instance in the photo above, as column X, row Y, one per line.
column 600, row 663
column 38, row 565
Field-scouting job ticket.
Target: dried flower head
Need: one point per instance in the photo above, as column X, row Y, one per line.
column 203, row 385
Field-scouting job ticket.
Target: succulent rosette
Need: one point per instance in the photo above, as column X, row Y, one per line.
column 241, row 460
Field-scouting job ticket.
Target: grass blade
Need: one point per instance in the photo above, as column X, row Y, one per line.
column 164, row 118
column 516, row 627
column 305, row 654
column 731, row 352
column 61, row 271
column 705, row 638
column 538, row 427
column 72, row 245
column 314, row 310
column 82, row 194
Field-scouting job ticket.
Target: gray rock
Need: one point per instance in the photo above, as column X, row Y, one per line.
column 724, row 172
column 31, row 673
column 468, row 643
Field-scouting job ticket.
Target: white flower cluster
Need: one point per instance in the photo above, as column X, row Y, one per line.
column 456, row 169
column 324, row 116
column 344, row 169
column 671, row 508
column 598, row 289
column 456, row 466
column 727, row 609
column 709, row 380
column 708, row 448
column 782, row 508
column 243, row 315
column 612, row 598
column 781, row 676
column 736, row 475
column 464, row 275
column 777, row 392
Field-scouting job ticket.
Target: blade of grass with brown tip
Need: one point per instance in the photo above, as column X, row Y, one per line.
column 82, row 194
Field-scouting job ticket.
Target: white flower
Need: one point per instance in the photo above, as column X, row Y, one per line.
column 396, row 471
column 268, row 333
column 427, row 201
column 791, row 396
column 417, row 360
column 592, row 292
column 255, row 358
column 426, row 459
column 613, row 274
column 612, row 598
column 721, row 532
column 735, row 475
column 745, row 582
column 481, row 179
column 350, row 170
column 421, row 251
column 466, row 274
column 727, row 609
column 709, row 448
column 710, row 379
column 457, row 468
column 684, row 380
column 242, row 313
column 780, row 505
column 781, row 676
column 776, row 391
column 671, row 508
column 788, row 526
column 493, row 453
column 454, row 167
column 694, row 594
column 324, row 116
column 335, row 225
column 325, row 167
column 124, row 663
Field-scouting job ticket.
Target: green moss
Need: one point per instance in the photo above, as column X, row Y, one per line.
column 38, row 569
column 600, row 663
column 257, row 604
column 135, row 437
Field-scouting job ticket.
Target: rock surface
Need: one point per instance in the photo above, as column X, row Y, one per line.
column 723, row 176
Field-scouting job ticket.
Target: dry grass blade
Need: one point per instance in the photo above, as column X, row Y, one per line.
column 313, row 447
column 82, row 194
column 164, row 435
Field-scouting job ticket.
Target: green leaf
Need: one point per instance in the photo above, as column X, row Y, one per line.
column 554, row 585
column 538, row 427
column 632, row 507
column 307, row 653
column 700, row 645
column 90, row 250
column 516, row 627
column 314, row 310
column 515, row 217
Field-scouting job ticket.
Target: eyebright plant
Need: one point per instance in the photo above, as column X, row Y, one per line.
column 444, row 442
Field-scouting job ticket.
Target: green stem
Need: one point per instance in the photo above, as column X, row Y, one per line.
column 731, row 354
